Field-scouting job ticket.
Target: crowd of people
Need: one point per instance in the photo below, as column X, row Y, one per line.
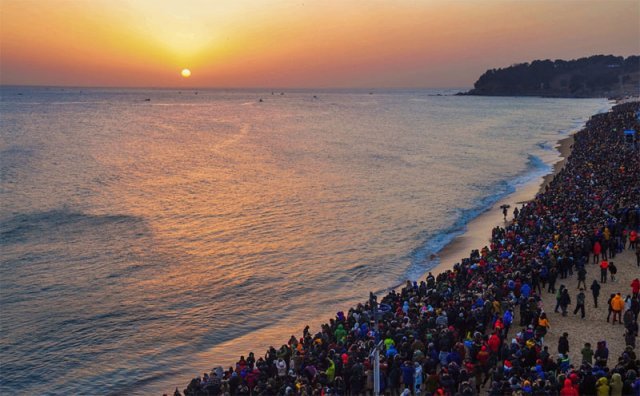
column 479, row 328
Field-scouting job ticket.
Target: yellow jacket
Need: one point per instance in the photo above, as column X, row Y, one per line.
column 603, row 386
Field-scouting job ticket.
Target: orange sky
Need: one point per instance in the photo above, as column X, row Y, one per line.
column 305, row 43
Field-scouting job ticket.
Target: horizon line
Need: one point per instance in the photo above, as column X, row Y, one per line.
column 274, row 89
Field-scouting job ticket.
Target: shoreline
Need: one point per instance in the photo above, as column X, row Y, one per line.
column 477, row 232
column 564, row 147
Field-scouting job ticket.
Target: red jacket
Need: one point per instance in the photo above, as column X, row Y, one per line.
column 635, row 286
column 494, row 343
column 597, row 248
column 568, row 389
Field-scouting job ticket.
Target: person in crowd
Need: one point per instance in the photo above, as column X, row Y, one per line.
column 633, row 239
column 587, row 354
column 604, row 267
column 610, row 307
column 597, row 248
column 565, row 301
column 635, row 287
column 595, row 292
column 558, row 298
column 580, row 300
column 582, row 277
column 613, row 270
column 617, row 306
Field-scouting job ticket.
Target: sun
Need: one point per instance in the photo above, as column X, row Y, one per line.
column 186, row 73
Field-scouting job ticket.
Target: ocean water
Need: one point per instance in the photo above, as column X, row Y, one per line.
column 143, row 242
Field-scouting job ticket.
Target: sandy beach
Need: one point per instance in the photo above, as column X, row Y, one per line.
column 594, row 326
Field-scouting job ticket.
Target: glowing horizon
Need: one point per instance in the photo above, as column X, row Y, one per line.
column 146, row 43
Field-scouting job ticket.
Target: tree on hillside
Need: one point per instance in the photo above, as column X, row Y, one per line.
column 578, row 77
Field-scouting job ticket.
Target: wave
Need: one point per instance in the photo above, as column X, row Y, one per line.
column 577, row 125
column 536, row 167
column 544, row 145
column 424, row 257
column 19, row 227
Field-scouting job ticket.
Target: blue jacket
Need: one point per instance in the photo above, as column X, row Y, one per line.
column 407, row 374
column 507, row 318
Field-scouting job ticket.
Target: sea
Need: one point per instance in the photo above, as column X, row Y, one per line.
column 147, row 236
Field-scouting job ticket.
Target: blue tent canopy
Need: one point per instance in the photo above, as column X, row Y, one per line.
column 630, row 136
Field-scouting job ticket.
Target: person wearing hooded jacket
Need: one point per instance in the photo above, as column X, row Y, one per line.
column 635, row 287
column 417, row 382
column 408, row 375
column 616, row 385
column 568, row 389
column 633, row 239
column 507, row 319
column 340, row 333
column 604, row 268
column 391, row 352
column 602, row 353
column 596, row 251
column 617, row 305
column 331, row 370
column 494, row 343
column 635, row 387
column 281, row 366
column 602, row 385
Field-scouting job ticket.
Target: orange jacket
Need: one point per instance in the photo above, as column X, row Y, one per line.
column 617, row 304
